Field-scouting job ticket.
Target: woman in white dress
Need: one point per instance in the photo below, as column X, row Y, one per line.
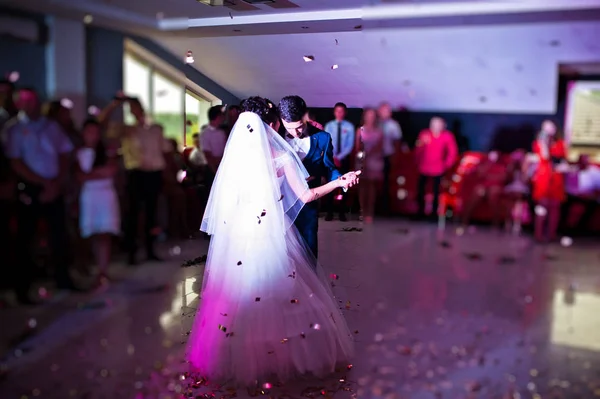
column 99, row 216
column 265, row 315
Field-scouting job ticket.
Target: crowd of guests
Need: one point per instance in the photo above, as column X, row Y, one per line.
column 89, row 189
column 540, row 186
column 74, row 186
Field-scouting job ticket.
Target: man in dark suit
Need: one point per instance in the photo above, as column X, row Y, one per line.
column 315, row 149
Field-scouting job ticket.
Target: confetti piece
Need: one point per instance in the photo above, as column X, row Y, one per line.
column 351, row 229
column 284, row 341
column 194, row 262
column 334, row 276
column 294, row 301
column 281, row 198
column 506, row 260
column 473, row 256
column 222, row 328
column 257, row 299
column 263, row 213
column 239, row 263
column 293, row 275
column 445, row 244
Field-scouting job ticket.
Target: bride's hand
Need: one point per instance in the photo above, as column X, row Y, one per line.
column 349, row 179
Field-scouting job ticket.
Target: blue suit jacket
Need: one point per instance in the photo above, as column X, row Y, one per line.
column 319, row 163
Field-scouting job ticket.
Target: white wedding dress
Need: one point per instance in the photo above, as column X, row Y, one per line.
column 265, row 314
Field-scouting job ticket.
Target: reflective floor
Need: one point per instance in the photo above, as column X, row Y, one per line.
column 476, row 314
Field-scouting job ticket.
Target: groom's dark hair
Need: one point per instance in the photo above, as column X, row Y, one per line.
column 292, row 108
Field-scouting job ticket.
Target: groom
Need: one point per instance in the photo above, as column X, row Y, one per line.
column 315, row 149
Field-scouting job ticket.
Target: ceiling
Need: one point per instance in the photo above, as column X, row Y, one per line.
column 482, row 56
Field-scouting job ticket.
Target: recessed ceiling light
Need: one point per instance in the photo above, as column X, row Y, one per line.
column 88, row 19
column 305, row 27
column 308, row 58
column 334, row 66
column 189, row 57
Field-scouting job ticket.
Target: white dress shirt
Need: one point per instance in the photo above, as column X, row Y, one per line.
column 197, row 157
column 301, row 146
column 391, row 133
column 346, row 141
column 213, row 141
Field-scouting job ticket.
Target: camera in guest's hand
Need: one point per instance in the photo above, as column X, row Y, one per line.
column 123, row 98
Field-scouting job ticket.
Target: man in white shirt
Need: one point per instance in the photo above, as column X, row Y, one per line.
column 342, row 137
column 392, row 134
column 213, row 139
column 583, row 188
column 197, row 155
column 143, row 147
column 38, row 151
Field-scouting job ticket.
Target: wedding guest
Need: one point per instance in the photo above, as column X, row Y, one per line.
column 370, row 141
column 99, row 218
column 39, row 151
column 342, row 136
column 174, row 192
column 233, row 113
column 143, row 146
column 548, row 181
column 196, row 157
column 7, row 105
column 491, row 177
column 584, row 192
column 57, row 112
column 7, row 184
column 436, row 153
column 392, row 135
column 516, row 191
column 213, row 139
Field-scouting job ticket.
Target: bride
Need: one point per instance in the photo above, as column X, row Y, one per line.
column 264, row 312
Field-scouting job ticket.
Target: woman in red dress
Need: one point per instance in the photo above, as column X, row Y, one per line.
column 548, row 182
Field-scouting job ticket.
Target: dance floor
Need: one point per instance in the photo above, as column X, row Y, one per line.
column 435, row 315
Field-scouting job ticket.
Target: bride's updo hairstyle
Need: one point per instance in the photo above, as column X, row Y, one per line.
column 262, row 107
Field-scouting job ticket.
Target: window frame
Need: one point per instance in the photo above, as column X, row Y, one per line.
column 157, row 66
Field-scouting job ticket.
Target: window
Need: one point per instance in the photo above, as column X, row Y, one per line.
column 165, row 93
column 168, row 109
column 196, row 112
column 137, row 83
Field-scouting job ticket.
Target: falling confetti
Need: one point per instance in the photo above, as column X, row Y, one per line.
column 473, row 256
column 194, row 262
column 507, row 260
column 351, row 229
